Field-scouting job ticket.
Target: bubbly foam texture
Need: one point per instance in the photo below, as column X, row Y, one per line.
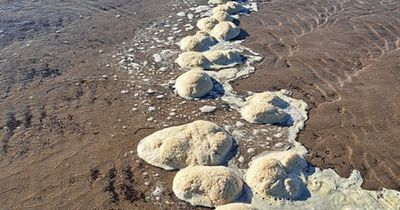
column 230, row 7
column 207, row 23
column 222, row 16
column 217, row 1
column 269, row 180
column 225, row 31
column 208, row 186
column 196, row 143
column 212, row 59
column 264, row 108
column 235, row 206
column 192, row 60
column 201, row 41
column 193, row 84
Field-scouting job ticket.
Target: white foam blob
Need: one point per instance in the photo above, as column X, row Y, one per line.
column 230, row 7
column 235, row 206
column 192, row 60
column 208, row 186
column 201, row 41
column 194, row 83
column 223, row 58
column 207, row 23
column 218, row 1
column 196, row 143
column 269, row 180
column 212, row 59
column 264, row 108
column 225, row 31
column 222, row 16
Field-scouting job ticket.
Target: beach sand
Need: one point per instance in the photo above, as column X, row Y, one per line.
column 70, row 133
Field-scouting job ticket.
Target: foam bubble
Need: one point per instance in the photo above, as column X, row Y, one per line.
column 225, row 31
column 235, row 206
column 269, row 180
column 264, row 108
column 207, row 23
column 196, row 143
column 222, row 16
column 207, row 185
column 201, row 41
column 230, row 7
column 193, row 84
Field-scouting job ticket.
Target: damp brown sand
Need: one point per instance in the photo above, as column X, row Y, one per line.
column 342, row 58
column 67, row 133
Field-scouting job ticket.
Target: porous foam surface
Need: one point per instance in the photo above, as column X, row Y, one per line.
column 192, row 60
column 265, row 108
column 230, row 7
column 194, row 83
column 196, row 143
column 222, row 16
column 225, row 31
column 207, row 23
column 235, row 206
column 201, row 41
column 217, row 1
column 223, row 58
column 208, row 186
column 269, row 179
column 212, row 59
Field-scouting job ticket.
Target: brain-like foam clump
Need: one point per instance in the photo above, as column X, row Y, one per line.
column 293, row 162
column 201, row 41
column 230, row 7
column 223, row 58
column 207, row 23
column 213, row 59
column 218, row 1
column 235, row 206
column 192, row 60
column 193, row 84
column 269, row 178
column 196, row 143
column 264, row 108
column 222, row 16
column 225, row 31
column 208, row 186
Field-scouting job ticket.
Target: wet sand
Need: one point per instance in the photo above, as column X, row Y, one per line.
column 343, row 60
column 67, row 129
column 69, row 138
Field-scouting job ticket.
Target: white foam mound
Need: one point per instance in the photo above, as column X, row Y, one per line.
column 193, row 84
column 207, row 185
column 217, row 1
column 212, row 59
column 192, row 60
column 196, row 143
column 230, row 7
column 264, row 108
column 201, row 41
column 223, row 58
column 235, row 206
column 225, row 31
column 276, row 176
column 222, row 16
column 207, row 23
